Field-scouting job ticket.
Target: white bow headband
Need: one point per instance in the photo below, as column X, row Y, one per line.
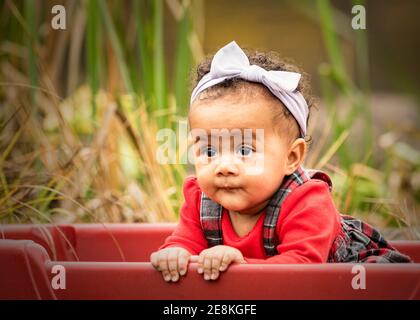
column 230, row 62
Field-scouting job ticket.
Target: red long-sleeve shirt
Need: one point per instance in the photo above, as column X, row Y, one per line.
column 307, row 226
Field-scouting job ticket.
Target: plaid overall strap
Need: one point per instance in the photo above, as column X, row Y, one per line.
column 270, row 239
column 211, row 220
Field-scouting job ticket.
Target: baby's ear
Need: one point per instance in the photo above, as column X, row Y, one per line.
column 295, row 156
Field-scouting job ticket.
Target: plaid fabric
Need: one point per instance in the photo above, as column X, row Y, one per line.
column 357, row 241
column 211, row 220
column 270, row 238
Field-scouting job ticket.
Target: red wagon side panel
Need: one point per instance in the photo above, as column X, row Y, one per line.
column 26, row 270
column 253, row 282
column 117, row 242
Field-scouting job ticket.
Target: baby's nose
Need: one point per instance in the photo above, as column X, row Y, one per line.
column 227, row 166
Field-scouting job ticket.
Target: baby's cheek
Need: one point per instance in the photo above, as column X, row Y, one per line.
column 264, row 186
column 274, row 169
column 204, row 179
column 259, row 190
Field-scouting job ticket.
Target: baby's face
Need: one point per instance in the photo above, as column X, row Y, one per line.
column 239, row 170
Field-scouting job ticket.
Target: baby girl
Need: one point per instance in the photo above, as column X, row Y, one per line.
column 234, row 213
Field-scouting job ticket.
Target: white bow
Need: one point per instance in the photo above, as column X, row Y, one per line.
column 230, row 62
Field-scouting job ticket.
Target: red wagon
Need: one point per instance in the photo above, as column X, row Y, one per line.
column 110, row 261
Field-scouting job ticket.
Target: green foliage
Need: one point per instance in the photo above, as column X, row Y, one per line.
column 88, row 153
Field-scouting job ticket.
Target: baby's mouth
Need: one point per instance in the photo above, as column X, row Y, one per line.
column 229, row 188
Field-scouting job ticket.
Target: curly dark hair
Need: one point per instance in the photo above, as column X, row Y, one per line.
column 269, row 61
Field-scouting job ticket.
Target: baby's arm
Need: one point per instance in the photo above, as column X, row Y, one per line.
column 307, row 227
column 187, row 240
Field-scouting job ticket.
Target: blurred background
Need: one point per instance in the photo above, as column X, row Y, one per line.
column 80, row 107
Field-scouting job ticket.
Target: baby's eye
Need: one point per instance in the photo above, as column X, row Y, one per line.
column 208, row 151
column 245, row 150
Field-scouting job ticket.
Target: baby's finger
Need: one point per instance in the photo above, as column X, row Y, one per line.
column 215, row 265
column 163, row 266
column 238, row 258
column 183, row 258
column 226, row 261
column 173, row 265
column 154, row 260
column 166, row 275
column 207, row 266
column 200, row 262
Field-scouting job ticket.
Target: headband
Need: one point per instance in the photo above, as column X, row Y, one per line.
column 231, row 62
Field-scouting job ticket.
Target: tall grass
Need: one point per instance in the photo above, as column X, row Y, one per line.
column 91, row 155
column 80, row 110
column 361, row 188
column 93, row 52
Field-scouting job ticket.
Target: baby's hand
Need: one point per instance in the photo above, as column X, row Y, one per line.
column 172, row 262
column 217, row 259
